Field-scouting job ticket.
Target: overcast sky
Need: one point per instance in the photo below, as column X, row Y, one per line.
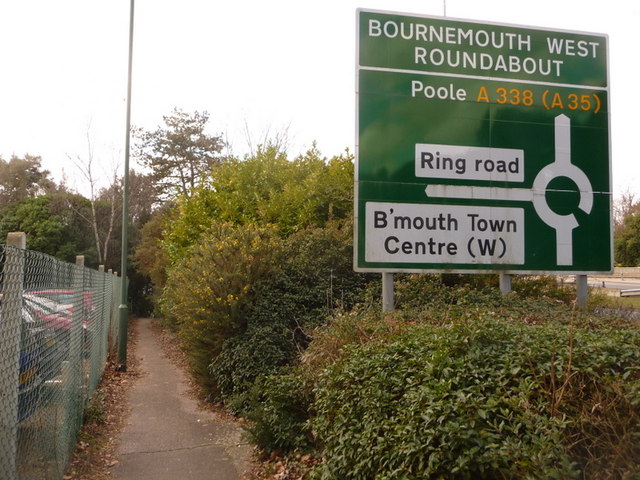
column 255, row 66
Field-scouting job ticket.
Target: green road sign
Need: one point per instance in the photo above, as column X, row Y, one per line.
column 481, row 147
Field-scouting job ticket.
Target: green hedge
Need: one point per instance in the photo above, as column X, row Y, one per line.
column 483, row 400
column 278, row 412
column 314, row 278
column 260, row 350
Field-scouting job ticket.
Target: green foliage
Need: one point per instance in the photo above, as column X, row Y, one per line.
column 475, row 281
column 269, row 188
column 32, row 216
column 149, row 262
column 627, row 242
column 482, row 399
column 308, row 201
column 94, row 412
column 543, row 286
column 534, row 299
column 22, row 178
column 207, row 295
column 319, row 273
column 464, row 383
column 418, row 290
column 52, row 225
column 315, row 277
column 265, row 189
column 149, row 257
column 278, row 412
column 425, row 291
column 180, row 154
column 260, row 350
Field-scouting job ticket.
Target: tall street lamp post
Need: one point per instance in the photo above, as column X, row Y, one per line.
column 123, row 309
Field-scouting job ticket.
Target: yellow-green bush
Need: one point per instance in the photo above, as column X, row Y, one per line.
column 207, row 295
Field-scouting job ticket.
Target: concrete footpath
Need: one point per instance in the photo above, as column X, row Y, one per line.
column 166, row 435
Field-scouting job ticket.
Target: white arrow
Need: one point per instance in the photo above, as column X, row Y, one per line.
column 561, row 167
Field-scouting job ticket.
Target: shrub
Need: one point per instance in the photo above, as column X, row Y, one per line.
column 208, row 295
column 315, row 278
column 438, row 291
column 319, row 271
column 543, row 286
column 265, row 189
column 278, row 412
column 260, row 350
column 424, row 290
column 533, row 389
column 483, row 399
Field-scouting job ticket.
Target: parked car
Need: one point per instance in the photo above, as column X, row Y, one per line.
column 57, row 301
column 54, row 314
column 30, row 379
column 66, row 297
column 58, row 317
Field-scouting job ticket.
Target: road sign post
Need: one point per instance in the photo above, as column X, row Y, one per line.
column 481, row 147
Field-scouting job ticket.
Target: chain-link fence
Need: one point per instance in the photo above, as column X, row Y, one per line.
column 57, row 322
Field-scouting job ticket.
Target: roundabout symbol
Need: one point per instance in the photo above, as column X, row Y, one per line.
column 561, row 167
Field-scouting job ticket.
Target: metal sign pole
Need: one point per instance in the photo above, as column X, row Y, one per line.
column 582, row 290
column 387, row 292
column 505, row 283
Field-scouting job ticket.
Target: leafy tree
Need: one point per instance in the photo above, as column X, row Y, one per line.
column 22, row 178
column 307, row 202
column 178, row 154
column 314, row 278
column 149, row 257
column 101, row 220
column 142, row 204
column 623, row 206
column 66, row 206
column 106, row 215
column 627, row 238
column 51, row 226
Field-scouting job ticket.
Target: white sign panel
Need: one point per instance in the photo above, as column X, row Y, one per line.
column 469, row 163
column 408, row 232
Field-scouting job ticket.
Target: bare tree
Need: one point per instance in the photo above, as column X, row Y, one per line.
column 279, row 140
column 86, row 167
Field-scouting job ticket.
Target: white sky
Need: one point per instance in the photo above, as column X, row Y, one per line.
column 259, row 65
